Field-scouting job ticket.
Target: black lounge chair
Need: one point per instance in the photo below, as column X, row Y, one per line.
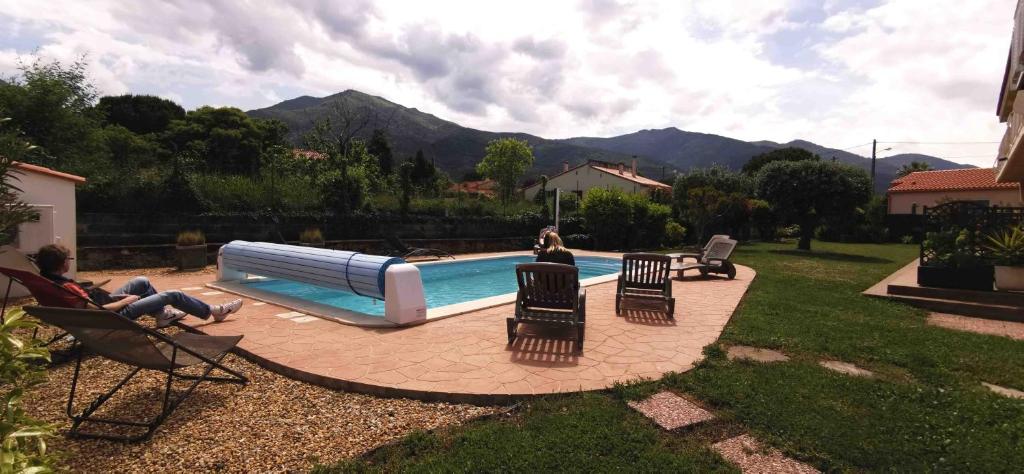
column 550, row 294
column 407, row 252
column 715, row 260
column 122, row 340
column 646, row 276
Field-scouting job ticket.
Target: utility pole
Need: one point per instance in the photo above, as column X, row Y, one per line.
column 874, row 144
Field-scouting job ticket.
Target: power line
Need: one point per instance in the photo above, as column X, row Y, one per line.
column 939, row 142
column 855, row 146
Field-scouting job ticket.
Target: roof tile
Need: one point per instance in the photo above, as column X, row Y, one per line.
column 949, row 180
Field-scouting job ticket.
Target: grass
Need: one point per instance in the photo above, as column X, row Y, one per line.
column 925, row 410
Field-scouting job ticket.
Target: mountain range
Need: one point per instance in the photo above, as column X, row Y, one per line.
column 456, row 149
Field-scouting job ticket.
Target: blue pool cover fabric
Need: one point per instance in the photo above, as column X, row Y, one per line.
column 359, row 273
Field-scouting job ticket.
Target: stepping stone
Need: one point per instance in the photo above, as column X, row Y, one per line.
column 192, row 288
column 212, row 293
column 755, row 354
column 670, row 411
column 1004, row 391
column 258, row 303
column 752, row 458
column 290, row 315
column 305, row 319
column 846, row 368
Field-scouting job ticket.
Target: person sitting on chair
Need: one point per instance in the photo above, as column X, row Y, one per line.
column 135, row 298
column 554, row 251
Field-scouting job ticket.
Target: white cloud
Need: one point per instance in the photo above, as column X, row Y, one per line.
column 904, row 70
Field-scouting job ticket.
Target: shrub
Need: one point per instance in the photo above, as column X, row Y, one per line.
column 608, row 214
column 188, row 238
column 24, row 445
column 244, row 194
column 907, row 239
column 579, row 241
column 674, row 233
column 618, row 220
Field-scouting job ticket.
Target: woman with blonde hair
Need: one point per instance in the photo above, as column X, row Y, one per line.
column 554, row 251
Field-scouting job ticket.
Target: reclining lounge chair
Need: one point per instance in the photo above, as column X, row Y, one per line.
column 715, row 260
column 550, row 294
column 122, row 340
column 646, row 276
column 407, row 252
column 700, row 254
column 46, row 293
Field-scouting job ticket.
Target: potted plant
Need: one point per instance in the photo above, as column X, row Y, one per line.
column 191, row 249
column 954, row 262
column 311, row 237
column 1007, row 249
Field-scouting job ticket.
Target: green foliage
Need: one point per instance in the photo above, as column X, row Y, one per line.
column 912, row 167
column 13, row 211
column 189, row 238
column 405, row 185
column 52, row 105
column 805, row 192
column 763, row 218
column 225, row 139
column 568, row 203
column 618, row 220
column 141, row 114
column 782, row 154
column 952, row 248
column 379, row 147
column 506, row 160
column 716, row 177
column 232, row 194
column 674, row 234
column 701, row 207
column 24, row 438
column 1007, row 246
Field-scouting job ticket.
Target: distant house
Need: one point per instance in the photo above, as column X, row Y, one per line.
column 485, row 188
column 307, row 154
column 1010, row 109
column 911, row 193
column 599, row 174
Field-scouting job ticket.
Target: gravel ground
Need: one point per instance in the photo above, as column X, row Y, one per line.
column 274, row 424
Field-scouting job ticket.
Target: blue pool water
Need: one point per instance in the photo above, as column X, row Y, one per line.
column 443, row 283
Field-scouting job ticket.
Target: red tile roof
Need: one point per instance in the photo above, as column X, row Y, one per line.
column 48, row 172
column 485, row 187
column 949, row 180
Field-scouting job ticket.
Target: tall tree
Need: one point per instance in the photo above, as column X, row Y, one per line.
column 912, row 167
column 506, row 160
column 380, row 148
column 782, row 154
column 806, row 192
column 13, row 211
column 225, row 139
column 139, row 113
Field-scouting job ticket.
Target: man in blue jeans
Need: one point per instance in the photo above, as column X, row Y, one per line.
column 135, row 298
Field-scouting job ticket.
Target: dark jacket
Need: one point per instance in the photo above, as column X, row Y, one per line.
column 563, row 256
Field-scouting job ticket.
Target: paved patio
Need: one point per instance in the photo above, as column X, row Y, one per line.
column 466, row 358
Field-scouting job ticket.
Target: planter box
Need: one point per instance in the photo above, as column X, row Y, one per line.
column 969, row 278
column 191, row 257
column 1009, row 278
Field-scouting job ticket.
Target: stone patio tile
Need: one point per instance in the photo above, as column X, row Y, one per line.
column 1013, row 330
column 442, row 356
column 1004, row 391
column 670, row 411
column 752, row 458
column 846, row 368
column 755, row 354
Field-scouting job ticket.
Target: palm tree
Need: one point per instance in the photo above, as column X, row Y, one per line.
column 913, row 167
column 13, row 211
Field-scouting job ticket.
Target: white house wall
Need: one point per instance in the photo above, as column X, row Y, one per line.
column 585, row 178
column 39, row 188
column 903, row 203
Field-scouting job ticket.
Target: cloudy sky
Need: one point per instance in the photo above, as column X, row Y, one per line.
column 836, row 72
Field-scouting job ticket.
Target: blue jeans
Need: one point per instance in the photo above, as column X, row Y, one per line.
column 152, row 302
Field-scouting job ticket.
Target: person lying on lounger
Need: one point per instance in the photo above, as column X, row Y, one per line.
column 135, row 298
column 554, row 251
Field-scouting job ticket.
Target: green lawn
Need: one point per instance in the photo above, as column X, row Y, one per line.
column 925, row 411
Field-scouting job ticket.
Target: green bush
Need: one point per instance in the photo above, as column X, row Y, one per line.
column 674, row 233
column 618, row 220
column 244, row 194
column 24, row 446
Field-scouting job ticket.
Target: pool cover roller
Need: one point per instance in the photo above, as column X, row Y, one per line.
column 389, row 279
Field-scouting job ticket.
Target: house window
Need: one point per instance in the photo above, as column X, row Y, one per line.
column 913, row 209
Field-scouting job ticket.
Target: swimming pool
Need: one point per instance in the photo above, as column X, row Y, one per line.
column 444, row 283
